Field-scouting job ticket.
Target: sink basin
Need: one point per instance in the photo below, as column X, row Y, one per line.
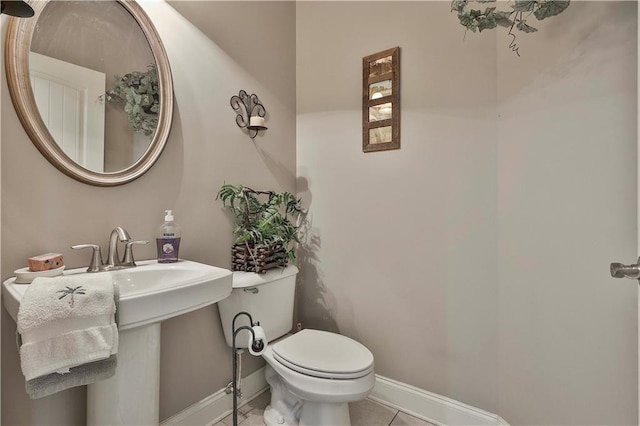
column 151, row 292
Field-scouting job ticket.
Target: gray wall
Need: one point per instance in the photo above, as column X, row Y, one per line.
column 43, row 210
column 402, row 250
column 567, row 199
column 474, row 261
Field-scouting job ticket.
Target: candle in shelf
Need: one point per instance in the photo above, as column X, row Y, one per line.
column 256, row 121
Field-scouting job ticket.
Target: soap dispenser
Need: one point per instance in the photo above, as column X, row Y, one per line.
column 168, row 239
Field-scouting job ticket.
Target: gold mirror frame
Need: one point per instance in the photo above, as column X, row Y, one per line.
column 18, row 43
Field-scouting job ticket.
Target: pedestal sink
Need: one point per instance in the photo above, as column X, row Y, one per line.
column 149, row 294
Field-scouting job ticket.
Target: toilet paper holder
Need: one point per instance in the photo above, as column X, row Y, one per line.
column 257, row 345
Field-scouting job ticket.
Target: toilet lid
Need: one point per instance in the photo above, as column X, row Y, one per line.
column 323, row 354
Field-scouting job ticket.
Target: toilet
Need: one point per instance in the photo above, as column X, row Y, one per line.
column 313, row 374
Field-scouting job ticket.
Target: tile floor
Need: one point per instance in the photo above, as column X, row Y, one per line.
column 363, row 413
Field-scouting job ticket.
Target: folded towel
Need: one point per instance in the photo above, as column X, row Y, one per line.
column 66, row 321
column 78, row 376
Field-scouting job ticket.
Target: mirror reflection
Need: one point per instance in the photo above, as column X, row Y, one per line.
column 95, row 82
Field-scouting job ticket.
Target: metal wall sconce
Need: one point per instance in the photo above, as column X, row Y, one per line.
column 250, row 112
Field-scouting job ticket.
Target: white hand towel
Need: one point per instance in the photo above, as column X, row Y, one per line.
column 81, row 375
column 66, row 321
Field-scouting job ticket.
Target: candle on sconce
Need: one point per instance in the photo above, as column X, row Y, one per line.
column 256, row 121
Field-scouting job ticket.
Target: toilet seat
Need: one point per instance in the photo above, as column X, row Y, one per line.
column 324, row 355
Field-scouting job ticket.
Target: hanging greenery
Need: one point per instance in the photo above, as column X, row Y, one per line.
column 139, row 93
column 516, row 17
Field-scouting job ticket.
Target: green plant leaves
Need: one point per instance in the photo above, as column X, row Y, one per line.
column 522, row 26
column 458, row 5
column 524, row 5
column 477, row 20
column 474, row 20
column 258, row 222
column 138, row 92
column 547, row 8
column 502, row 18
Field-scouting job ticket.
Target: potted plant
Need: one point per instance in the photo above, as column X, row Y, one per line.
column 266, row 228
column 139, row 93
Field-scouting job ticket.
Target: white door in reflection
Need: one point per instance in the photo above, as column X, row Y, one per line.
column 69, row 99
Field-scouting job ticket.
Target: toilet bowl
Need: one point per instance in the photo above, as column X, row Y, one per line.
column 312, row 374
column 317, row 373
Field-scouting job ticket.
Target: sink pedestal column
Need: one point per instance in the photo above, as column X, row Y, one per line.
column 132, row 396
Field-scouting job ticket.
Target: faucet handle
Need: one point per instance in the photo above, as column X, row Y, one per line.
column 95, row 265
column 128, row 260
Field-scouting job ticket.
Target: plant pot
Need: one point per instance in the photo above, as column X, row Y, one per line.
column 259, row 259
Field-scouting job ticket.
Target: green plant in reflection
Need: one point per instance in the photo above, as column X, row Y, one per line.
column 139, row 93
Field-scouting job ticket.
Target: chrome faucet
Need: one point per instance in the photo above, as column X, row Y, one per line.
column 118, row 234
column 96, row 264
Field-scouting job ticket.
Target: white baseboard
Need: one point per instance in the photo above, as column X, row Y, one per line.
column 420, row 403
column 219, row 405
column 502, row 422
column 429, row 406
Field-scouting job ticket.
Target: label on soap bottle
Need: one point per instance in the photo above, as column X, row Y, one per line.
column 168, row 249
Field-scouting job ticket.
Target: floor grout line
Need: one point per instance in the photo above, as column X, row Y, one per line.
column 394, row 417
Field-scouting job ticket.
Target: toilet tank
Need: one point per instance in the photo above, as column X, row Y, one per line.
column 268, row 297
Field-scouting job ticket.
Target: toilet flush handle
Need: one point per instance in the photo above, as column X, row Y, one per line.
column 251, row 290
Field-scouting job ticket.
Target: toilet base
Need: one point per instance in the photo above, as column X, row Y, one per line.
column 312, row 414
column 287, row 409
column 273, row 417
column 319, row 414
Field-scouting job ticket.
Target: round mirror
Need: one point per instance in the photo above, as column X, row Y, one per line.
column 91, row 84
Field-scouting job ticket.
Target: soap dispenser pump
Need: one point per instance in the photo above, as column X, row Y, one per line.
column 168, row 239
